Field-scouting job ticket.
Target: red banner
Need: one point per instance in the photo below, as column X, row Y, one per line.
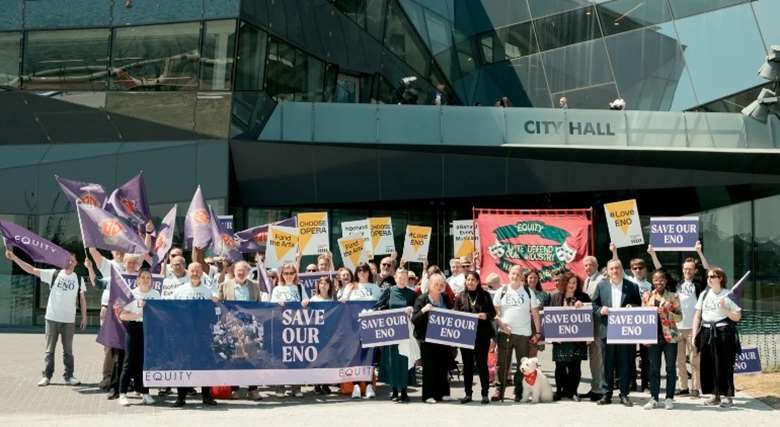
column 539, row 240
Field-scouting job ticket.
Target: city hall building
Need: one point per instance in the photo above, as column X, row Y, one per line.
column 281, row 106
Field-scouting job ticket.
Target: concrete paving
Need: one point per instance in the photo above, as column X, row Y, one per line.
column 22, row 403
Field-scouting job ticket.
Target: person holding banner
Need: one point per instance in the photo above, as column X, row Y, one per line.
column 66, row 290
column 669, row 313
column 177, row 277
column 364, row 290
column 343, row 279
column 290, row 290
column 133, row 314
column 386, row 277
column 592, row 280
column 394, row 367
column 474, row 299
column 324, row 291
column 568, row 356
column 435, row 357
column 516, row 307
column 717, row 339
column 616, row 292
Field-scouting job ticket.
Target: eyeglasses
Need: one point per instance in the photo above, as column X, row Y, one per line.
column 713, row 276
column 637, row 268
column 311, row 270
column 386, row 264
column 288, row 273
column 177, row 264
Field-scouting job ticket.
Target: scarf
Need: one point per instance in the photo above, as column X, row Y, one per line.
column 530, row 378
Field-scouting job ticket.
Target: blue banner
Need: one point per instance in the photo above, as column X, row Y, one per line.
column 453, row 328
column 309, row 280
column 200, row 343
column 632, row 325
column 674, row 233
column 226, row 222
column 568, row 324
column 386, row 327
column 157, row 281
column 748, row 362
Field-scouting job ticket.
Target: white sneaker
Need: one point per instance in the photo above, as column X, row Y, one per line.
column 668, row 404
column 148, row 399
column 727, row 403
column 43, row 382
column 651, row 404
column 356, row 392
column 123, row 400
column 72, row 381
column 370, row 394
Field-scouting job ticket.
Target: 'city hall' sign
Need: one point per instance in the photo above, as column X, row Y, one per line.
column 574, row 128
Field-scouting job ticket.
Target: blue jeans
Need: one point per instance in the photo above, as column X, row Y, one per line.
column 669, row 351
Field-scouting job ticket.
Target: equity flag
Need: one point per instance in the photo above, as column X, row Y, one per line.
column 223, row 242
column 38, row 248
column 255, row 239
column 129, row 202
column 100, row 229
column 84, row 192
column 164, row 239
column 112, row 332
column 197, row 223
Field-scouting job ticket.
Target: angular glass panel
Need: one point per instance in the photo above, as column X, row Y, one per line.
column 10, row 57
column 293, row 75
column 514, row 42
column 218, row 50
column 354, row 9
column 375, row 18
column 499, row 13
column 156, row 57
column 212, row 114
column 221, row 8
column 577, row 66
column 683, row 8
column 158, row 11
column 439, row 32
column 11, row 18
column 625, row 15
column 567, row 28
column 723, row 50
column 67, row 59
column 251, row 58
column 549, row 7
column 521, row 80
column 49, row 14
column 172, row 109
column 401, row 39
column 766, row 12
column 649, row 68
column 767, row 241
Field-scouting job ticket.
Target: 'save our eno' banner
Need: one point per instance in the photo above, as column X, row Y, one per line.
column 386, row 327
column 452, row 328
column 200, row 343
column 565, row 324
column 632, row 325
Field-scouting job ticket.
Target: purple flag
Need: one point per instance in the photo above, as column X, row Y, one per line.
column 223, row 242
column 100, row 229
column 112, row 331
column 38, row 248
column 129, row 202
column 197, row 223
column 164, row 239
column 254, row 239
column 84, row 192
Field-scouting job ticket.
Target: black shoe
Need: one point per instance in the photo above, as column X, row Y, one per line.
column 210, row 402
column 403, row 399
column 683, row 392
column 518, row 398
column 645, row 386
column 325, row 389
column 595, row 397
column 179, row 403
column 317, row 389
column 634, row 387
column 626, row 401
column 113, row 396
column 466, row 399
column 575, row 397
column 604, row 401
column 556, row 396
column 485, row 400
column 394, row 397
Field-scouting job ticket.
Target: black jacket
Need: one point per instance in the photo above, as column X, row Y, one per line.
column 420, row 319
column 482, row 304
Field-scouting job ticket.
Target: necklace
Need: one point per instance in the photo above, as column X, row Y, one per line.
column 471, row 301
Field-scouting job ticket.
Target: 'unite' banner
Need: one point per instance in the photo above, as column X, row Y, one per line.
column 386, row 327
column 632, row 325
column 199, row 343
column 568, row 324
column 452, row 328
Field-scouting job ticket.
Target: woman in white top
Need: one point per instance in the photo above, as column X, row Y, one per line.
column 133, row 314
column 717, row 340
column 324, row 291
column 365, row 289
column 289, row 290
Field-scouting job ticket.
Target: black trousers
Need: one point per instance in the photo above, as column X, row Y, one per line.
column 567, row 377
column 644, row 367
column 181, row 393
column 718, row 354
column 117, row 362
column 479, row 355
column 435, row 363
column 134, row 359
column 617, row 357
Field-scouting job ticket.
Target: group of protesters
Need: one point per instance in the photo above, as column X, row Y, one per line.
column 696, row 322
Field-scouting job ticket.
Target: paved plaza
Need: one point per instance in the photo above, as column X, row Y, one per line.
column 22, row 403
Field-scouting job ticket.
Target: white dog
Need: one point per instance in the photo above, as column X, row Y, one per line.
column 535, row 384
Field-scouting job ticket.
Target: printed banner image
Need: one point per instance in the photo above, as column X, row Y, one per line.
column 542, row 242
column 748, row 362
column 313, row 232
column 199, row 343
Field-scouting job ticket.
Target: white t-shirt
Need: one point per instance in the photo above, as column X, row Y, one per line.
column 187, row 291
column 104, row 298
column 104, row 267
column 515, row 306
column 287, row 293
column 63, row 295
column 171, row 283
column 642, row 284
column 686, row 291
column 318, row 298
column 365, row 292
column 457, row 283
column 710, row 308
column 136, row 307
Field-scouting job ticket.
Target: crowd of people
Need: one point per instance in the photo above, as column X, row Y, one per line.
column 696, row 323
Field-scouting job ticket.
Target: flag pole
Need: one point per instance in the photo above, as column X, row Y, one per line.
column 81, row 228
